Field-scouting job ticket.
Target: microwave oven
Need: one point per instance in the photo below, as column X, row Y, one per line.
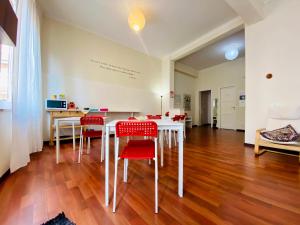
column 56, row 104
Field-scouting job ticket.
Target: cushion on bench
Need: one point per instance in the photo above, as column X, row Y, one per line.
column 283, row 135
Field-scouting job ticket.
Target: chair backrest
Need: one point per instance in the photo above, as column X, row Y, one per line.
column 282, row 115
column 132, row 118
column 136, row 128
column 152, row 117
column 91, row 120
column 178, row 117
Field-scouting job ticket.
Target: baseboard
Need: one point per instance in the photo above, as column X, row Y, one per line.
column 240, row 130
column 4, row 176
column 249, row 145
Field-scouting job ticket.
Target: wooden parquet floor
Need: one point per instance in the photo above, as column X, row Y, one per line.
column 223, row 184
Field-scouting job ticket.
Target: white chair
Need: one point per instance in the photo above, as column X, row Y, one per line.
column 279, row 116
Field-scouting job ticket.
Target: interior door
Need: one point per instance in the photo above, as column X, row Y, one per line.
column 205, row 107
column 228, row 108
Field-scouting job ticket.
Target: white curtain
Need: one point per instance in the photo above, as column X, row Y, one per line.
column 26, row 87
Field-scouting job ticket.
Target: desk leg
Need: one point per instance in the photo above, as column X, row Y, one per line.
column 74, row 144
column 51, row 128
column 180, row 162
column 57, row 141
column 107, row 166
column 102, row 144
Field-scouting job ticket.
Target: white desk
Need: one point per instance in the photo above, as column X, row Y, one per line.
column 164, row 124
column 73, row 121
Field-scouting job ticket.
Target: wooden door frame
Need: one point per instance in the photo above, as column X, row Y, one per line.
column 200, row 108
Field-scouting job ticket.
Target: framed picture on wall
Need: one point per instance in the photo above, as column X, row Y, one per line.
column 177, row 101
column 187, row 102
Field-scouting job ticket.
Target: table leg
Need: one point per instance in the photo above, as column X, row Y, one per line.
column 161, row 143
column 180, row 162
column 107, row 166
column 74, row 144
column 57, row 141
column 102, row 144
column 170, row 138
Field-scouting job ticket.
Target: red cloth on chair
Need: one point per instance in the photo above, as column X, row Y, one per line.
column 143, row 151
column 140, row 142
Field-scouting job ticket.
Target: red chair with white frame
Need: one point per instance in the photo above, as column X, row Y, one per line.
column 90, row 133
column 153, row 117
column 179, row 118
column 136, row 149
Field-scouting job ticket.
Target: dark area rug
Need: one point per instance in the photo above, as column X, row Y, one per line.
column 60, row 219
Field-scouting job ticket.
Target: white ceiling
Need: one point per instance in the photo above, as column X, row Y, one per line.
column 170, row 24
column 214, row 54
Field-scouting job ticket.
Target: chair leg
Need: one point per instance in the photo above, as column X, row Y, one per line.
column 116, row 172
column 89, row 145
column 156, row 177
column 161, row 139
column 166, row 136
column 80, row 146
column 115, row 184
column 125, row 170
column 175, row 141
column 156, row 186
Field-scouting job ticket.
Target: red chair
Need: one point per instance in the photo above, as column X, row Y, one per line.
column 132, row 118
column 152, row 117
column 167, row 114
column 136, row 149
column 86, row 121
column 179, row 118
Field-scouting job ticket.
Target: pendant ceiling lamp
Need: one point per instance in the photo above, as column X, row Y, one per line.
column 232, row 54
column 136, row 20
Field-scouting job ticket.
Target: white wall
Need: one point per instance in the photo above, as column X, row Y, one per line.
column 5, row 141
column 222, row 75
column 272, row 46
column 67, row 68
column 185, row 84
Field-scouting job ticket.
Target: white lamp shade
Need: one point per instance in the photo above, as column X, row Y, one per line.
column 232, row 54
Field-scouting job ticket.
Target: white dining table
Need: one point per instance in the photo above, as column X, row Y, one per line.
column 73, row 121
column 163, row 124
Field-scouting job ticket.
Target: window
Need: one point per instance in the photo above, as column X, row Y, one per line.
column 5, row 78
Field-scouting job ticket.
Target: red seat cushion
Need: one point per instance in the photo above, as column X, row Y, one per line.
column 138, row 149
column 92, row 133
column 141, row 142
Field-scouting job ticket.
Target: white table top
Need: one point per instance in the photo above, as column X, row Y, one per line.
column 69, row 119
column 74, row 119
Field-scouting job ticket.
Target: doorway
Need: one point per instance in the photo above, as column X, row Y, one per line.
column 205, row 107
column 228, row 107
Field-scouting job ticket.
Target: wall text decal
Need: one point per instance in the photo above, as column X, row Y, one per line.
column 131, row 74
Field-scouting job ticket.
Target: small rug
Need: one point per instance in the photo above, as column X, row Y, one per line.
column 60, row 219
